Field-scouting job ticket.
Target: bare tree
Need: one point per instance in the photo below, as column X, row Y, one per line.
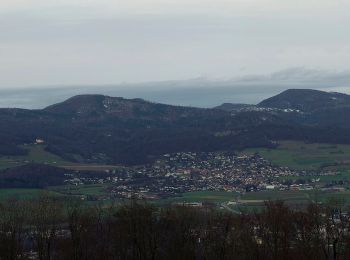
column 12, row 229
column 46, row 221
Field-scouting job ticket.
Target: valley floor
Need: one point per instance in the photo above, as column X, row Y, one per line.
column 295, row 172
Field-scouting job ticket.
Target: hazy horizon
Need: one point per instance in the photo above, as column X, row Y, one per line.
column 195, row 53
column 199, row 92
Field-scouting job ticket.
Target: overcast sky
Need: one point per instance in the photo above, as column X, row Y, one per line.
column 77, row 42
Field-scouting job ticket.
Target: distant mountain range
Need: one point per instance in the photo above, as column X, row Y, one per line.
column 103, row 129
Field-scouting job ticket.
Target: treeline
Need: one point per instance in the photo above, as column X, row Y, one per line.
column 49, row 229
column 35, row 175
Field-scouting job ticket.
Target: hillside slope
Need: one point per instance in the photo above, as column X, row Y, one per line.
column 306, row 100
column 108, row 130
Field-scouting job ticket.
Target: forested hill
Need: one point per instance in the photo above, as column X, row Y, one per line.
column 307, row 100
column 103, row 129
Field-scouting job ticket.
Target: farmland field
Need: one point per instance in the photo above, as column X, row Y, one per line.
column 6, row 194
column 254, row 201
column 300, row 155
column 202, row 196
column 37, row 154
column 87, row 190
column 274, row 195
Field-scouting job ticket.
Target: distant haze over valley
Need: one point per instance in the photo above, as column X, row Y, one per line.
column 199, row 92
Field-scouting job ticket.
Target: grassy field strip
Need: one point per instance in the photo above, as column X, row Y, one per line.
column 201, row 196
column 88, row 167
column 250, row 201
column 36, row 153
column 92, row 190
column 22, row 194
column 300, row 155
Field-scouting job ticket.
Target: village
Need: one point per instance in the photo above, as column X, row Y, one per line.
column 174, row 174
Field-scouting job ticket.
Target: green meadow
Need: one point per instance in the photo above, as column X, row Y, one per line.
column 300, row 155
column 36, row 153
column 23, row 194
column 201, row 196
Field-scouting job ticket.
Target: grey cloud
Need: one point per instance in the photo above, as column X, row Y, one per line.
column 302, row 76
column 84, row 48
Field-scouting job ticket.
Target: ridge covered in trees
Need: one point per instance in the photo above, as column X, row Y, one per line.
column 109, row 130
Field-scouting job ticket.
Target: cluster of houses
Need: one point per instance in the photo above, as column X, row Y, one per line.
column 174, row 174
column 177, row 173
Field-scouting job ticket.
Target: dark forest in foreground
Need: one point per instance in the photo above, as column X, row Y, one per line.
column 47, row 229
